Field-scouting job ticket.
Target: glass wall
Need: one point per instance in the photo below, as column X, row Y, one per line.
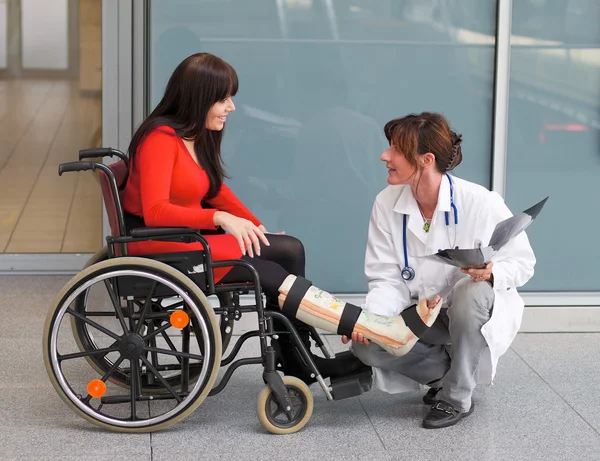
column 50, row 108
column 554, row 137
column 318, row 80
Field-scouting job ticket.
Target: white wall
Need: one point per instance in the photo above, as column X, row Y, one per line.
column 44, row 29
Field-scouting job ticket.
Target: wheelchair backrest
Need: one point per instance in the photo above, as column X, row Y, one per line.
column 112, row 204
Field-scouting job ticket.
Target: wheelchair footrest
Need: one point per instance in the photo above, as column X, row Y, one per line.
column 353, row 384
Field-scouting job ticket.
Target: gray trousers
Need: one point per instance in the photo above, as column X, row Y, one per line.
column 431, row 361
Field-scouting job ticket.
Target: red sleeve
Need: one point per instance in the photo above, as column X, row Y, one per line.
column 156, row 160
column 227, row 201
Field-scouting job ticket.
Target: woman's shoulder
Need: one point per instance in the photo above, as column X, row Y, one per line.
column 159, row 144
column 162, row 132
column 163, row 136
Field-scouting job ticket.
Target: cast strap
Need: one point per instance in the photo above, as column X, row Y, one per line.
column 413, row 321
column 348, row 319
column 294, row 297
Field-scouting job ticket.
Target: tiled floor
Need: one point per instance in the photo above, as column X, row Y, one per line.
column 45, row 123
column 542, row 407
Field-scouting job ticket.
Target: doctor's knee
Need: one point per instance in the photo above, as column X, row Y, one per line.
column 468, row 296
column 370, row 354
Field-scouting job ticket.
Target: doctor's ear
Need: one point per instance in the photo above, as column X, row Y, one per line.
column 427, row 160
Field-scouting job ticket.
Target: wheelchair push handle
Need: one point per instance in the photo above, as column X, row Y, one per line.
column 75, row 166
column 96, row 152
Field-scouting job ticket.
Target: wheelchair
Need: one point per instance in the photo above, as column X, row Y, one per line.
column 133, row 344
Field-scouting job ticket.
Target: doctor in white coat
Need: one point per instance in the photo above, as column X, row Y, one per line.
column 423, row 210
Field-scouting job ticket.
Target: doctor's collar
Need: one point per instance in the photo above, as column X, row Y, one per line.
column 407, row 204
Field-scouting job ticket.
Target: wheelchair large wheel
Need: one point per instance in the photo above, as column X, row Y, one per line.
column 85, row 336
column 134, row 347
column 273, row 417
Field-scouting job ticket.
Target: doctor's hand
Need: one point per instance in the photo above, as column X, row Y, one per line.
column 357, row 338
column 480, row 274
column 431, row 303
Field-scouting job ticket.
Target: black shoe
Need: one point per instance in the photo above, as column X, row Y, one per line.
column 340, row 365
column 430, row 397
column 442, row 414
column 292, row 363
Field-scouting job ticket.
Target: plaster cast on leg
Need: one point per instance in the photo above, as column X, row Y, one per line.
column 322, row 310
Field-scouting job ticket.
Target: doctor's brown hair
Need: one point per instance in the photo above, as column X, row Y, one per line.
column 418, row 134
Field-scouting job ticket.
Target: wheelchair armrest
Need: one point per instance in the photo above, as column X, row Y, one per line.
column 145, row 232
column 217, row 231
column 167, row 234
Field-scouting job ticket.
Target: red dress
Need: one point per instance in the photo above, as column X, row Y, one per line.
column 166, row 187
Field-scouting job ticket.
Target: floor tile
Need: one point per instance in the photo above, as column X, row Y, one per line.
column 519, row 415
column 25, row 303
column 226, row 425
column 36, row 424
column 538, row 408
column 567, row 362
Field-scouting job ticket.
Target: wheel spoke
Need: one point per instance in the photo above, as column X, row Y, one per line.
column 152, row 343
column 147, row 304
column 133, row 375
column 106, row 375
column 116, row 304
column 170, row 343
column 99, row 327
column 297, row 405
column 157, row 331
column 281, row 412
column 113, row 368
column 161, row 379
column 77, row 355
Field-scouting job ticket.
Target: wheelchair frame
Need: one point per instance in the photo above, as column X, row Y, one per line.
column 279, row 400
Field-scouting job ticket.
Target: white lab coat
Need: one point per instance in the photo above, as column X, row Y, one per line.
column 479, row 210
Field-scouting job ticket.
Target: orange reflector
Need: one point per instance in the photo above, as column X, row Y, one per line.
column 96, row 388
column 179, row 319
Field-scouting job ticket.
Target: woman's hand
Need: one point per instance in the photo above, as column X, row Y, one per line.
column 247, row 234
column 357, row 338
column 480, row 274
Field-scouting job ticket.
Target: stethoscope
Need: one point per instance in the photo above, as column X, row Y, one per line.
column 408, row 273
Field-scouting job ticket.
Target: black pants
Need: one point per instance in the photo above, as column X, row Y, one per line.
column 283, row 257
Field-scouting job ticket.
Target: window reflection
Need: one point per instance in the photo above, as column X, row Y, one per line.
column 318, row 80
column 554, row 123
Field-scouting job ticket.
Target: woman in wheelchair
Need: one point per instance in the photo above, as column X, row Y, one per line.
column 175, row 165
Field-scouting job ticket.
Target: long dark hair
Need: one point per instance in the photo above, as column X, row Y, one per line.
column 197, row 83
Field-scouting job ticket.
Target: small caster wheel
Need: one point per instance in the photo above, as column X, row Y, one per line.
column 273, row 417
